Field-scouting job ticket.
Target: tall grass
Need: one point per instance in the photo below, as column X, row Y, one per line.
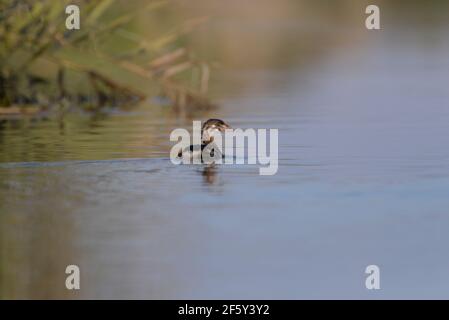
column 105, row 63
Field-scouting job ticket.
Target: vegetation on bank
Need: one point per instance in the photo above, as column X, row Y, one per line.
column 106, row 63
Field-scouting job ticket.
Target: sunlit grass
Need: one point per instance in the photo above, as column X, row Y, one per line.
column 105, row 63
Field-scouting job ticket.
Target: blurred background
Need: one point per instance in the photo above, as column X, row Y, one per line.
column 85, row 175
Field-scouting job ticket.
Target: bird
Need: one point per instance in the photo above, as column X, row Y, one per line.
column 209, row 128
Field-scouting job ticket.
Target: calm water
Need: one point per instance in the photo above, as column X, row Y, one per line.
column 363, row 179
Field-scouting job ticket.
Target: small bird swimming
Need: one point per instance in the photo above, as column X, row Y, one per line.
column 208, row 129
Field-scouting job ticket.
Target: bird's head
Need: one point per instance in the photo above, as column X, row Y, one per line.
column 212, row 126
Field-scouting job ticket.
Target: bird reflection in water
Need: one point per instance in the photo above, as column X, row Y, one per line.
column 209, row 174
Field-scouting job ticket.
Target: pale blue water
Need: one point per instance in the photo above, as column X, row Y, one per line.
column 363, row 179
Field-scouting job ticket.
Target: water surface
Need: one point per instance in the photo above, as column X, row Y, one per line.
column 363, row 179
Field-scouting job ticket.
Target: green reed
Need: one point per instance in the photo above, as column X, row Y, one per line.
column 106, row 63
